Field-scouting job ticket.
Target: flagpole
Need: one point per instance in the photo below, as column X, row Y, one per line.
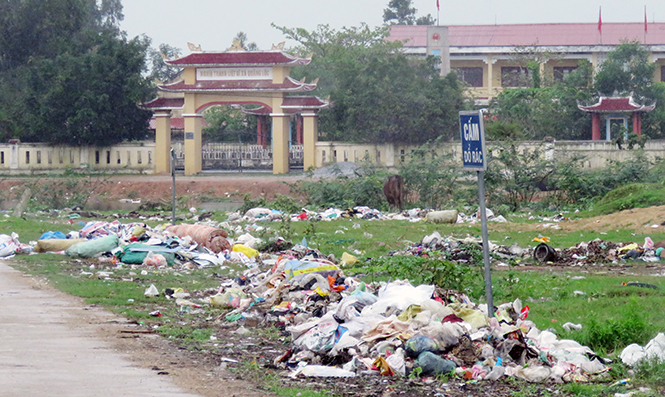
column 645, row 24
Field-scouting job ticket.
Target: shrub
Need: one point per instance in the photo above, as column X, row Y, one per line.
column 432, row 175
column 420, row 270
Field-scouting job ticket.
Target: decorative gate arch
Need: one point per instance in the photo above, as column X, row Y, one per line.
column 236, row 77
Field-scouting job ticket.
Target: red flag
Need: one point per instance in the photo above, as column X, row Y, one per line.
column 600, row 22
column 437, row 8
column 645, row 19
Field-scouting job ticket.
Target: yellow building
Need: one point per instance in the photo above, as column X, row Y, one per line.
column 487, row 57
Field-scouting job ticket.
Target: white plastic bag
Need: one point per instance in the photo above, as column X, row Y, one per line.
column 9, row 245
column 151, row 291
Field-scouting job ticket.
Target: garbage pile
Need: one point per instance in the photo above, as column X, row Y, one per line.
column 342, row 327
column 358, row 212
column 195, row 245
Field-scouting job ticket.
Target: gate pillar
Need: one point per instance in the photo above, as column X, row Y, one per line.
column 193, row 148
column 310, row 137
column 280, row 143
column 163, row 142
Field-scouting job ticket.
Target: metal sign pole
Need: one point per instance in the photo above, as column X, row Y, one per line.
column 173, row 176
column 472, row 134
column 486, row 248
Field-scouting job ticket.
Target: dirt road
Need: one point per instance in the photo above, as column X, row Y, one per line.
column 46, row 350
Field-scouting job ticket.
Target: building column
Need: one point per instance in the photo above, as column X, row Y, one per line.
column 637, row 123
column 259, row 130
column 193, row 148
column 163, row 142
column 310, row 137
column 299, row 131
column 595, row 126
column 280, row 143
column 490, row 72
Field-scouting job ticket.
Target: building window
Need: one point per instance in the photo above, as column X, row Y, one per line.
column 149, row 157
column 346, row 156
column 96, row 156
column 560, row 72
column 334, row 156
column 472, row 76
column 39, row 156
column 515, row 76
column 138, row 158
column 323, row 156
column 27, row 157
column 378, row 156
column 662, row 73
column 2, row 157
column 129, row 158
column 71, row 157
column 49, row 155
column 117, row 155
column 60, row 157
column 108, row 157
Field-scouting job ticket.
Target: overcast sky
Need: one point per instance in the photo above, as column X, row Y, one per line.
column 214, row 23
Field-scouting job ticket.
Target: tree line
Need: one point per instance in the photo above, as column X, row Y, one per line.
column 68, row 75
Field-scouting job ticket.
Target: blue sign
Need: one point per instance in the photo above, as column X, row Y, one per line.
column 473, row 140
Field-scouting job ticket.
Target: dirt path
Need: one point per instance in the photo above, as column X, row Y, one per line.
column 52, row 344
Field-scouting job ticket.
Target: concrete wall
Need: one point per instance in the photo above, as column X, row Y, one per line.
column 596, row 152
column 22, row 158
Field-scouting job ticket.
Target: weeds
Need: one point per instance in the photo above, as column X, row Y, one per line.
column 70, row 189
column 612, row 333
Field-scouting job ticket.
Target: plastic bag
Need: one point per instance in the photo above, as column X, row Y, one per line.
column 323, row 371
column 295, row 268
column 151, row 291
column 156, row 260
column 249, row 252
column 93, row 248
column 433, row 365
column 397, row 363
column 53, row 245
column 418, row 344
column 9, row 245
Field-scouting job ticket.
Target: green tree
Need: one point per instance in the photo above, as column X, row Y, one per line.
column 244, row 42
column 229, row 124
column 399, row 12
column 536, row 113
column 379, row 93
column 158, row 68
column 627, row 69
column 68, row 75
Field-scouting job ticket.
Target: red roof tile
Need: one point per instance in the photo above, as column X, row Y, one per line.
column 238, row 58
column 553, row 34
column 289, row 84
column 616, row 105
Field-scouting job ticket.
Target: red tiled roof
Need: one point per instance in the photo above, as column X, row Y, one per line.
column 164, row 104
column 238, row 58
column 552, row 34
column 616, row 105
column 289, row 84
column 304, row 102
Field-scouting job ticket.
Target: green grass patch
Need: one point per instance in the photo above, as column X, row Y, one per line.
column 636, row 195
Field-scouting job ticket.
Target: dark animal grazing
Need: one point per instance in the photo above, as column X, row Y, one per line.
column 394, row 191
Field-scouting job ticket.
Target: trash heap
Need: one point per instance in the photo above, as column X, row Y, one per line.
column 342, row 327
column 195, row 245
column 359, row 212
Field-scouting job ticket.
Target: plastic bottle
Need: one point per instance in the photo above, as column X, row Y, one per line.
column 497, row 371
